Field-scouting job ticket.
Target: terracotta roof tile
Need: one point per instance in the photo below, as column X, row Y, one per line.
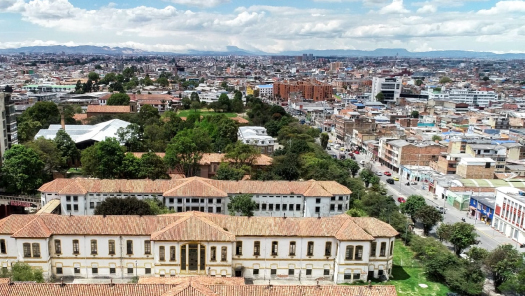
column 204, row 280
column 193, row 228
column 107, row 109
column 34, row 229
column 371, row 226
column 196, row 187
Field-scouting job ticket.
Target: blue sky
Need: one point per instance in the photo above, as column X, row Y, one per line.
column 272, row 26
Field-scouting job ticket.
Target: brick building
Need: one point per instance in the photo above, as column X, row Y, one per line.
column 476, row 168
column 311, row 90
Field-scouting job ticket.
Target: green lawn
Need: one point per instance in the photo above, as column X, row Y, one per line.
column 408, row 273
column 185, row 113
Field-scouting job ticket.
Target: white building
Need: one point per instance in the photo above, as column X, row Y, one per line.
column 340, row 248
column 265, row 90
column 80, row 196
column 256, row 136
column 389, row 86
column 85, row 133
column 471, row 97
column 509, row 214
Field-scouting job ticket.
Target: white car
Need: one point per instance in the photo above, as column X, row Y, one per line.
column 379, row 173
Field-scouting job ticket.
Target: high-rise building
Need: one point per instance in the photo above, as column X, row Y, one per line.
column 310, row 90
column 8, row 128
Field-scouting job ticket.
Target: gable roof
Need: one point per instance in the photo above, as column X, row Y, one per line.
column 193, row 228
column 195, row 187
column 107, row 109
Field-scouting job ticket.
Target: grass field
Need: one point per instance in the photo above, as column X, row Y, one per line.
column 408, row 273
column 204, row 112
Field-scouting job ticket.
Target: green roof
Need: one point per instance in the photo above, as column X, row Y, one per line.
column 492, row 183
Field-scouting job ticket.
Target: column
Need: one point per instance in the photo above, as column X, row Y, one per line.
column 187, row 258
column 198, row 258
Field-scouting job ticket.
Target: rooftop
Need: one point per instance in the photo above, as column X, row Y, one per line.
column 81, row 133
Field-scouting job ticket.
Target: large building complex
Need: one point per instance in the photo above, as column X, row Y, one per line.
column 309, row 90
column 80, row 196
column 340, row 248
column 390, row 87
column 467, row 96
column 257, row 137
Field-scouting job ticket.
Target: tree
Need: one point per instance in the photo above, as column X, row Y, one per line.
column 194, row 97
column 428, row 216
column 103, row 160
column 224, row 103
column 237, row 106
column 412, row 205
column 195, row 106
column 157, row 207
column 148, row 115
column 119, row 99
column 444, row 231
column 21, row 170
column 462, row 236
column 242, row 204
column 356, row 213
column 419, row 82
column 504, row 263
column 241, row 154
column 415, row 114
column 132, row 136
column 37, row 117
column 353, row 167
column 131, row 167
column 444, row 80
column 380, row 97
column 48, row 152
column 486, row 78
column 286, row 167
column 152, row 167
column 367, row 175
column 68, row 149
column 324, row 140
column 228, row 172
column 123, row 206
column 93, row 76
column 436, row 138
column 186, row 149
column 163, row 82
column 23, row 272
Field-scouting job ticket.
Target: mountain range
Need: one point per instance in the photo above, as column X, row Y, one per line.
column 233, row 50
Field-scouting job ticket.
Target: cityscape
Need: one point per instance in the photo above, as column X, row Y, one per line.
column 225, row 147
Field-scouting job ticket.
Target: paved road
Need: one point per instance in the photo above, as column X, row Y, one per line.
column 488, row 237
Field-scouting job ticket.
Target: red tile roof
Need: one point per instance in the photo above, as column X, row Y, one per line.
column 208, row 158
column 190, row 289
column 195, row 226
column 204, row 280
column 107, row 109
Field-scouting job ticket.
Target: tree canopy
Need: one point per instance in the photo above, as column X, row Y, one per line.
column 242, row 204
column 103, row 160
column 123, row 206
column 118, row 99
column 21, row 170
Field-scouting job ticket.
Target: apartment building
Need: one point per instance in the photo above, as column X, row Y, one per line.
column 310, row 90
column 265, row 90
column 8, row 127
column 80, row 196
column 476, row 168
column 342, row 249
column 509, row 214
column 390, row 87
column 257, row 137
column 467, row 96
column 499, row 153
column 397, row 153
column 344, row 127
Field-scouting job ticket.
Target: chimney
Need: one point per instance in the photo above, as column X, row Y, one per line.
column 62, row 118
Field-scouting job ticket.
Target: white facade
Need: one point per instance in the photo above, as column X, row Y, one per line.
column 471, row 97
column 509, row 214
column 265, row 90
column 258, row 137
column 176, row 246
column 390, row 87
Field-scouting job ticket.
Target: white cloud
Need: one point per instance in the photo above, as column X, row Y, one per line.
column 396, row 7
column 427, row 8
column 200, row 3
column 505, row 7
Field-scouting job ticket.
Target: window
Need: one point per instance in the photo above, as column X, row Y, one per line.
column 129, row 247
column 277, row 207
column 373, row 249
column 308, row 271
column 298, row 207
column 382, row 251
column 36, row 250
column 285, row 207
column 76, row 270
column 58, row 246
column 326, row 272
column 218, row 200
column 317, row 200
column 291, row 271
column 317, row 210
column 147, row 247
column 224, row 255
column 91, row 205
column 75, row 198
column 264, row 207
column 273, row 271
column 332, row 198
column 59, row 270
column 111, row 247
column 179, row 200
column 348, row 276
column 93, row 247
column 310, row 249
column 256, row 271
column 332, row 207
column 27, row 250
column 270, row 207
column 172, row 253
column 357, row 276
column 68, row 198
column 94, row 270
column 147, row 270
column 68, row 207
column 339, row 207
column 256, row 248
column 275, row 248
column 3, row 249
column 219, row 210
column 391, row 248
column 76, row 248
column 340, row 197
column 75, row 207
column 238, row 248
column 359, row 253
column 172, row 200
column 349, row 255
column 292, row 249
column 162, row 253
column 328, row 249
column 213, row 255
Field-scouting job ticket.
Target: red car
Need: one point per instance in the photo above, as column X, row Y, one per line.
column 401, row 199
column 356, row 152
column 387, row 174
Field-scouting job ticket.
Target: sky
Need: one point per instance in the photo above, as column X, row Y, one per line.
column 271, row 26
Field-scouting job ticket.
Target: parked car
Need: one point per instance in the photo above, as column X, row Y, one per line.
column 328, row 148
column 390, row 181
column 379, row 173
column 387, row 174
column 396, row 178
column 342, row 156
column 356, row 152
column 362, row 162
column 401, row 199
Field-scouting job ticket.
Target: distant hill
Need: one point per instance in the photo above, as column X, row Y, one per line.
column 234, row 50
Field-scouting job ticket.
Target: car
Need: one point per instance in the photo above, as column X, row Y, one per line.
column 390, row 181
column 356, row 152
column 401, row 199
column 342, row 149
column 328, row 148
column 362, row 162
column 379, row 173
column 387, row 174
column 396, row 178
column 342, row 156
